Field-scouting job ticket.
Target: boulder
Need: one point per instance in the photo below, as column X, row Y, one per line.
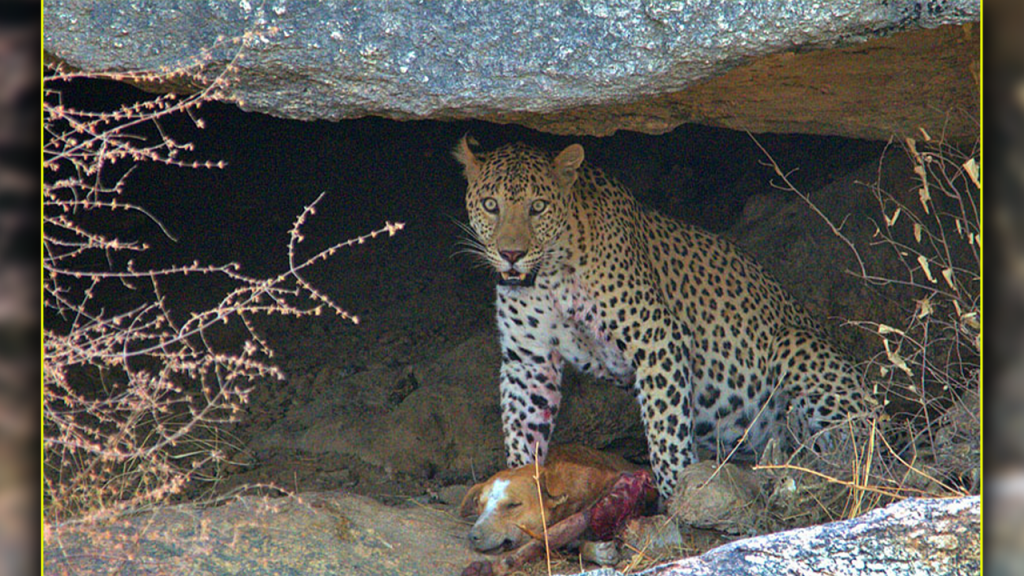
column 915, row 536
column 854, row 68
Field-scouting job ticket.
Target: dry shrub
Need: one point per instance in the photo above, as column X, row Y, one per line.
column 133, row 389
column 931, row 363
column 927, row 370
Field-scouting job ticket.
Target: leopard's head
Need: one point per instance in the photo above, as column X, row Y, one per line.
column 520, row 201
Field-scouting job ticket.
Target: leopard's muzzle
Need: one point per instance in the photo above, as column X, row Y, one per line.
column 513, row 277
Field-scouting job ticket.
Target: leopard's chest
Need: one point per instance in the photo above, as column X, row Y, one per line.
column 583, row 335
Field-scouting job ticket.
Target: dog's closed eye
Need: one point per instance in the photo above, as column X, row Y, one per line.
column 511, row 505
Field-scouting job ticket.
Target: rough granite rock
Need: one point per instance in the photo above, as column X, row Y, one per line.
column 612, row 64
column 917, row 537
column 315, row 534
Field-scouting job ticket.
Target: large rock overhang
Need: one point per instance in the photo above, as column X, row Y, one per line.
column 862, row 69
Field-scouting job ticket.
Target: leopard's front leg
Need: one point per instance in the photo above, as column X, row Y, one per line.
column 664, row 386
column 530, row 395
column 530, row 381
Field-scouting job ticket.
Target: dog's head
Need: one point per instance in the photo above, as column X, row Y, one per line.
column 508, row 508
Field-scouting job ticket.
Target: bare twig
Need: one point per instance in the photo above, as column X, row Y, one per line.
column 540, row 502
column 130, row 388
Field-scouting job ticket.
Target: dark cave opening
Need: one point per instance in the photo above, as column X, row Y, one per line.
column 416, row 296
column 373, row 170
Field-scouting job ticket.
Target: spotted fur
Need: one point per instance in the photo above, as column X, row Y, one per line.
column 709, row 343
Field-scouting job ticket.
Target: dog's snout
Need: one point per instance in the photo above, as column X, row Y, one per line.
column 483, row 539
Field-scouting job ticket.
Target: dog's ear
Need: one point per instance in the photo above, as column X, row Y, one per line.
column 553, row 486
column 470, row 502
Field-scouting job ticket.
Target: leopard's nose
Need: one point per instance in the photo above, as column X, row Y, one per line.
column 511, row 256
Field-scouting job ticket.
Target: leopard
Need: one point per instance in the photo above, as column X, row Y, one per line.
column 715, row 351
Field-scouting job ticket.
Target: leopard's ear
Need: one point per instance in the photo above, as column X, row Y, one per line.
column 470, row 163
column 566, row 165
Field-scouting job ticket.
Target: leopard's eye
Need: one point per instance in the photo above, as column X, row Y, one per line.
column 538, row 206
column 490, row 205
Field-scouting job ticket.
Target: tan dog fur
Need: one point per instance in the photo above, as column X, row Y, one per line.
column 508, row 507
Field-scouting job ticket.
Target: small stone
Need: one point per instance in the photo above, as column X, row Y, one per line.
column 652, row 534
column 717, row 497
column 452, row 494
